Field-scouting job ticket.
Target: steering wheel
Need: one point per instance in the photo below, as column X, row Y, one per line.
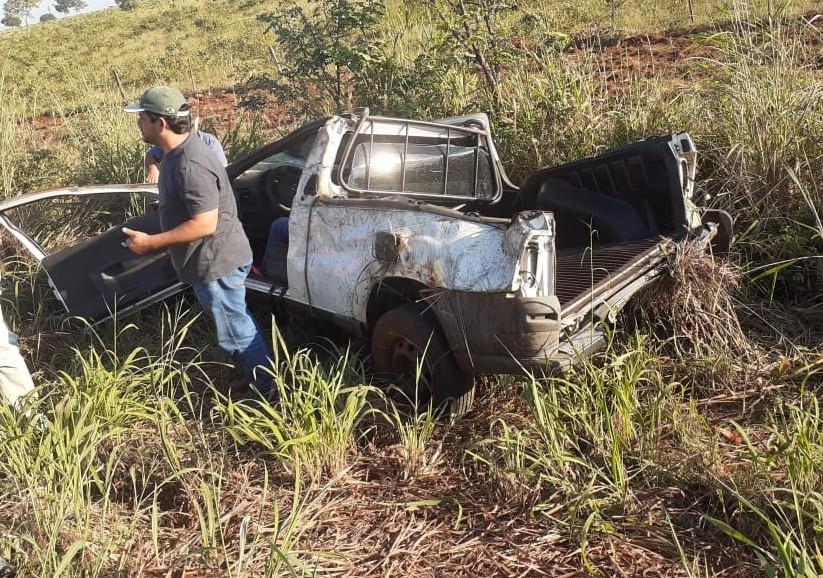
column 281, row 186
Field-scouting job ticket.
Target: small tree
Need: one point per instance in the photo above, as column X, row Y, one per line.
column 11, row 21
column 471, row 33
column 127, row 5
column 47, row 17
column 66, row 6
column 17, row 10
column 330, row 48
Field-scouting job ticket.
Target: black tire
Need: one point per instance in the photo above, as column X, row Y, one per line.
column 400, row 338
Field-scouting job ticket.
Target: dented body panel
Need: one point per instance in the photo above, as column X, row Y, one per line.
column 340, row 266
column 334, row 262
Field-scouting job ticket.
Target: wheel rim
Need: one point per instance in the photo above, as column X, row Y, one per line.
column 404, row 362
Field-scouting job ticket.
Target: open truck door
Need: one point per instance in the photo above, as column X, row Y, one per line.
column 92, row 273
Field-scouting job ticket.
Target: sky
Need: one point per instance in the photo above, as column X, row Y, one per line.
column 91, row 6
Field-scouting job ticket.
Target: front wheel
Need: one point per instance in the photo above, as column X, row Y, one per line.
column 403, row 337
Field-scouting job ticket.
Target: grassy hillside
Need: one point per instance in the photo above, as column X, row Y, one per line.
column 67, row 63
column 202, row 44
column 691, row 446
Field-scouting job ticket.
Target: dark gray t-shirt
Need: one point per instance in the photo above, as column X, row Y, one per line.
column 193, row 181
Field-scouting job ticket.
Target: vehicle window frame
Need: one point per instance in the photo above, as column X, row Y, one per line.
column 281, row 151
column 483, row 142
column 241, row 165
column 27, row 238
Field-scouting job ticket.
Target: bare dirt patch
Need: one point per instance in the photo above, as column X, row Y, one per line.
column 684, row 54
column 219, row 109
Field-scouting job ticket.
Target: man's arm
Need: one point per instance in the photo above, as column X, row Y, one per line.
column 214, row 145
column 152, row 168
column 199, row 226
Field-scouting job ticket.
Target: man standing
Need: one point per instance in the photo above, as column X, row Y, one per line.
column 201, row 231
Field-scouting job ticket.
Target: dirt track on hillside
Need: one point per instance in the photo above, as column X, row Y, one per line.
column 684, row 54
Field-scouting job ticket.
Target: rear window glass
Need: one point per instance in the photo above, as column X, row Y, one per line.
column 420, row 160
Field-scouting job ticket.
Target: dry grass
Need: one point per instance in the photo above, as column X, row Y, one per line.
column 695, row 306
column 366, row 521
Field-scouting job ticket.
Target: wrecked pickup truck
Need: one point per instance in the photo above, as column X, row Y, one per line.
column 409, row 234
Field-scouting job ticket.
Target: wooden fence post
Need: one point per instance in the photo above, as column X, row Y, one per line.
column 119, row 84
column 274, row 60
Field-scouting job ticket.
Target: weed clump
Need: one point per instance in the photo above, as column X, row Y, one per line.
column 693, row 305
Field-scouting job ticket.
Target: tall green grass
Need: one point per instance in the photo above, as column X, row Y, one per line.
column 63, row 457
column 93, row 466
column 768, row 122
column 27, row 162
column 616, row 428
column 754, row 109
column 11, row 152
column 105, row 144
column 588, row 434
column 317, row 421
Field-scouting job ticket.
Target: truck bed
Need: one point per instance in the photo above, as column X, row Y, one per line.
column 626, row 194
column 583, row 274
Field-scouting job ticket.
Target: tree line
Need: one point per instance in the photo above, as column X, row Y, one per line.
column 16, row 12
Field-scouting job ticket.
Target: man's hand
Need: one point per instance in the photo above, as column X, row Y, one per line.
column 138, row 242
column 199, row 226
column 152, row 168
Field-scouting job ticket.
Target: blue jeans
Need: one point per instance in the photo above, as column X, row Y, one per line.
column 279, row 231
column 237, row 331
column 278, row 238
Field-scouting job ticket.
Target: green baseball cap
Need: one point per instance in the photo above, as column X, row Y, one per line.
column 161, row 100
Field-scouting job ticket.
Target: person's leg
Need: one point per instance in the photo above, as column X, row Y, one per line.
column 280, row 230
column 277, row 241
column 237, row 331
column 15, row 379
